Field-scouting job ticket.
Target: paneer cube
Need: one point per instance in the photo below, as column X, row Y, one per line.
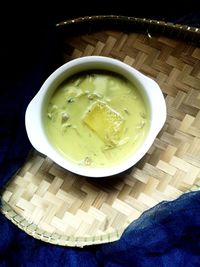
column 105, row 122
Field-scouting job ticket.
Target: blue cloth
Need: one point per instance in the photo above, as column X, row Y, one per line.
column 166, row 235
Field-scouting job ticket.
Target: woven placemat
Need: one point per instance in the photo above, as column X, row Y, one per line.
column 59, row 207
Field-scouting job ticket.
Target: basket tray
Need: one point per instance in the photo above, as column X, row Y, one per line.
column 56, row 206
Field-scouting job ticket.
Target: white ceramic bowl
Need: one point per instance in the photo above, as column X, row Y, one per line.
column 150, row 90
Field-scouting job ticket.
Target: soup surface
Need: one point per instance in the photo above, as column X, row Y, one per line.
column 96, row 119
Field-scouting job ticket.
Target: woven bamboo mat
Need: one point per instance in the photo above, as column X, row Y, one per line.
column 59, row 207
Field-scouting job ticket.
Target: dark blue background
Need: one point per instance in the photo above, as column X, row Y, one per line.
column 167, row 235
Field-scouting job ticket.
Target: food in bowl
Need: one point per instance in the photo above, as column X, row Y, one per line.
column 95, row 116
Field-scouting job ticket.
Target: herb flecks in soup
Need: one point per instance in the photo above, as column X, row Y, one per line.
column 96, row 119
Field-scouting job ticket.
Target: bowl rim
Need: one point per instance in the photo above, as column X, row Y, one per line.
column 33, row 115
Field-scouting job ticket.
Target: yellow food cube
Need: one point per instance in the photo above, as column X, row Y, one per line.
column 105, row 122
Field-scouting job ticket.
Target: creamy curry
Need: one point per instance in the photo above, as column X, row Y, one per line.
column 96, row 118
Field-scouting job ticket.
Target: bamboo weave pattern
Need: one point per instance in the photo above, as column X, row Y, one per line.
column 56, row 206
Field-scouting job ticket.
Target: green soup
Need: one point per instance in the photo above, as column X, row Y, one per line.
column 96, row 119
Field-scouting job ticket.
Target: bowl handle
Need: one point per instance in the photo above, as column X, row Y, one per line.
column 33, row 124
column 159, row 108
